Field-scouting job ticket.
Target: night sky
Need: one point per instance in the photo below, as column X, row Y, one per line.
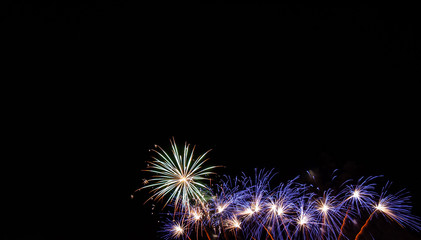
column 289, row 87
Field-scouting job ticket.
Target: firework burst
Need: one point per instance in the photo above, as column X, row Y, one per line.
column 394, row 207
column 330, row 213
column 178, row 176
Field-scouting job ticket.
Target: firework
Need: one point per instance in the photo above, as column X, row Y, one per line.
column 306, row 222
column 357, row 198
column 280, row 209
column 395, row 207
column 178, row 176
column 361, row 195
column 330, row 213
column 249, row 208
column 175, row 229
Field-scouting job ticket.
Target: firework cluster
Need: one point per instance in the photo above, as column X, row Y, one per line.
column 251, row 207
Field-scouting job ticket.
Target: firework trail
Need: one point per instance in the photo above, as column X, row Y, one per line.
column 250, row 208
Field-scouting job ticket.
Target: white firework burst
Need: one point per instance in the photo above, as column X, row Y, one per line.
column 178, row 176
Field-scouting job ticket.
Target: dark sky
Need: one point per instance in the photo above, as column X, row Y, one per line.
column 290, row 87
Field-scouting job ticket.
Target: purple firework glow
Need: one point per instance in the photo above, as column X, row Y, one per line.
column 248, row 208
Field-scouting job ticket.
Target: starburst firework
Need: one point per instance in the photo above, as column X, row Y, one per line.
column 178, row 176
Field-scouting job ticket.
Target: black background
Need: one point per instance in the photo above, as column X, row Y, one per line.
column 291, row 87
